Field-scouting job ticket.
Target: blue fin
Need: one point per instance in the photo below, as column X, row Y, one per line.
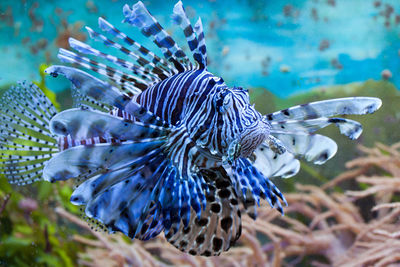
column 251, row 185
column 104, row 92
column 140, row 17
column 127, row 205
column 182, row 20
column 100, row 124
column 103, row 157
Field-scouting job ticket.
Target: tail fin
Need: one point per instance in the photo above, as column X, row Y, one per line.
column 26, row 142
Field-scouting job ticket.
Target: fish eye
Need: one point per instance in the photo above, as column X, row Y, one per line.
column 242, row 93
column 241, row 89
column 223, row 100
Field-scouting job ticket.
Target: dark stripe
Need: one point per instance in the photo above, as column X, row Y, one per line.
column 175, row 116
column 202, row 49
column 154, row 29
column 167, row 42
column 180, row 53
column 143, row 50
column 125, row 50
column 142, row 62
column 193, row 44
column 188, row 31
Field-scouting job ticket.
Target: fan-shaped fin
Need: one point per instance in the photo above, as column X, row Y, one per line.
column 26, row 143
column 77, row 160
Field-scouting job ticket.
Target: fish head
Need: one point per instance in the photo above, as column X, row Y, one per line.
column 243, row 126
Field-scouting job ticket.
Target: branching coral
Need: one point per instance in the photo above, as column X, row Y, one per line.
column 322, row 227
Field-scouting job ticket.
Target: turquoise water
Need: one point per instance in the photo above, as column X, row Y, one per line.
column 285, row 46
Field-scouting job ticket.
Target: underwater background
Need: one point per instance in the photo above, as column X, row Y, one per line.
column 344, row 213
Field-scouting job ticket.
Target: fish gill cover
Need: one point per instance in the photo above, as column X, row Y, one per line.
column 163, row 144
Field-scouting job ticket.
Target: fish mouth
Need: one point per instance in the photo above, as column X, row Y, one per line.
column 233, row 152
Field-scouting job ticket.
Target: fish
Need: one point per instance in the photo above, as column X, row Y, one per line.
column 160, row 144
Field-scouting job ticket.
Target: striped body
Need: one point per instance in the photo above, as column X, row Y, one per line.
column 212, row 114
column 161, row 144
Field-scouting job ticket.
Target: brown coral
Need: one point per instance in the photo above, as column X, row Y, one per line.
column 322, row 226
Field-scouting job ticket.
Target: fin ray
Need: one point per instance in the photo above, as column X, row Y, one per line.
column 140, row 17
column 26, row 143
column 328, row 108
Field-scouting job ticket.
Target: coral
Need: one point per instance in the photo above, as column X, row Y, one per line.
column 322, row 226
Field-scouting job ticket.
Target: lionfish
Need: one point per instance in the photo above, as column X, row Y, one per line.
column 163, row 145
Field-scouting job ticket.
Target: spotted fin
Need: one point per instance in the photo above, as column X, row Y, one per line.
column 328, row 108
column 26, row 143
column 313, row 147
column 272, row 164
column 139, row 16
column 350, row 128
column 125, row 205
column 219, row 226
